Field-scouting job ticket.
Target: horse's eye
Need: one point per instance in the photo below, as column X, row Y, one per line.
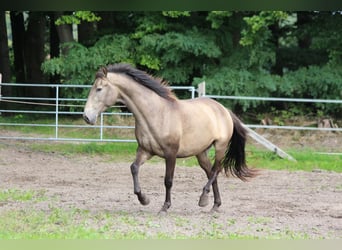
column 98, row 89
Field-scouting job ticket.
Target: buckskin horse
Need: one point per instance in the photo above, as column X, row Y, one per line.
column 171, row 128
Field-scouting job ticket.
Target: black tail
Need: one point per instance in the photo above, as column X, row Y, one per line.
column 234, row 161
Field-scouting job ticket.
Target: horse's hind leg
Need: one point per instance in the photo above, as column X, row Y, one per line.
column 141, row 157
column 205, row 164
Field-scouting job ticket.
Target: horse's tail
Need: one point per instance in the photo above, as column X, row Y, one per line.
column 234, row 161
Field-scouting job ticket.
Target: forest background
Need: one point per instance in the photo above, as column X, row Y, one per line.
column 244, row 53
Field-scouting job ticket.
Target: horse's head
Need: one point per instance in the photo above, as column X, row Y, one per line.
column 102, row 95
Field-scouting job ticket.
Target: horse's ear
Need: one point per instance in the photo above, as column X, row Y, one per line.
column 104, row 70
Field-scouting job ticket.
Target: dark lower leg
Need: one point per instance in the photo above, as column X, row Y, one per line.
column 204, row 199
column 137, row 190
column 217, row 197
column 168, row 180
column 140, row 159
column 205, row 164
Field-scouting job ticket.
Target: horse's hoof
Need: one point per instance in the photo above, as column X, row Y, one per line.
column 165, row 207
column 144, row 200
column 204, row 200
column 162, row 212
column 215, row 209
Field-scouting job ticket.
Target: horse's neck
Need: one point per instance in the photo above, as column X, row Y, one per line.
column 142, row 102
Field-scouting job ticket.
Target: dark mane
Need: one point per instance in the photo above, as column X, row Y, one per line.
column 158, row 86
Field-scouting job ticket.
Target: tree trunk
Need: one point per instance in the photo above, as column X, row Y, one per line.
column 5, row 68
column 86, row 32
column 18, row 38
column 107, row 23
column 236, row 29
column 34, row 53
column 54, row 45
column 64, row 34
column 304, row 38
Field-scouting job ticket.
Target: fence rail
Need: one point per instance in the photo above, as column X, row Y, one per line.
column 202, row 92
column 56, row 104
column 276, row 99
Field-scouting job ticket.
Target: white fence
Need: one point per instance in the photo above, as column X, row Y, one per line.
column 281, row 100
column 202, row 92
column 56, row 105
column 53, row 107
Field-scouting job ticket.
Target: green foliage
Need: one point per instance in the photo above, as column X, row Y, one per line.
column 81, row 63
column 313, row 82
column 165, row 48
column 77, row 17
column 325, row 34
column 236, row 53
column 217, row 18
column 172, row 53
column 176, row 14
column 317, row 83
column 239, row 82
column 149, row 24
column 257, row 30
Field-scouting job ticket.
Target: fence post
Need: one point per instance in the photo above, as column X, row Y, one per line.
column 201, row 89
column 193, row 90
column 56, row 125
column 101, row 127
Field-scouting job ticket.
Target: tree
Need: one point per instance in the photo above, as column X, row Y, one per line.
column 64, row 31
column 4, row 52
column 18, row 38
column 34, row 55
column 34, row 47
column 294, row 54
column 4, row 55
column 261, row 53
column 54, row 44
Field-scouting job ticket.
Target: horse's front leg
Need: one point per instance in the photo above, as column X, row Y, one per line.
column 168, row 180
column 141, row 157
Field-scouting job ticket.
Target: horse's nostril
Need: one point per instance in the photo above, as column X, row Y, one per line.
column 86, row 118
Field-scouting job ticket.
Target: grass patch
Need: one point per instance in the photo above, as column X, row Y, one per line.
column 19, row 195
column 45, row 126
column 109, row 150
column 92, row 148
column 81, row 224
column 306, row 160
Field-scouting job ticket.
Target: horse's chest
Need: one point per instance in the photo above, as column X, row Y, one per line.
column 147, row 140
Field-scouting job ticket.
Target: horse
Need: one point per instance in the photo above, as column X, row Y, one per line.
column 171, row 128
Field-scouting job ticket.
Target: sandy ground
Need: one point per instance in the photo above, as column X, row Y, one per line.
column 306, row 203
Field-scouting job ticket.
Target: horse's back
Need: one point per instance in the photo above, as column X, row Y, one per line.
column 206, row 108
column 204, row 122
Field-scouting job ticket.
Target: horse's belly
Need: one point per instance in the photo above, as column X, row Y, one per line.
column 193, row 147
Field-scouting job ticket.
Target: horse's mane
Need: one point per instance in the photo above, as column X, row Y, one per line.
column 157, row 85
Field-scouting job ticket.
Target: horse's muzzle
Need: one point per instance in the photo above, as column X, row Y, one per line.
column 86, row 119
